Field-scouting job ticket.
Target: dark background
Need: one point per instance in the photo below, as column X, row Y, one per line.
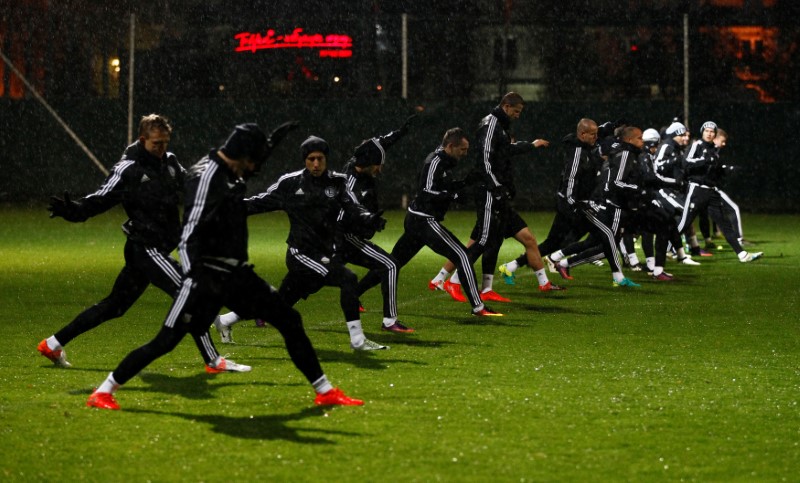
column 601, row 59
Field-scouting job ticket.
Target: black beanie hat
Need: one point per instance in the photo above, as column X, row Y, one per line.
column 314, row 143
column 708, row 125
column 246, row 140
column 369, row 153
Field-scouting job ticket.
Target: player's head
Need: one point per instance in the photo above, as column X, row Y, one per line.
column 314, row 151
column 247, row 145
column 455, row 143
column 369, row 156
column 587, row 131
column 154, row 134
column 721, row 139
column 678, row 133
column 512, row 104
column 632, row 135
column 651, row 139
column 708, row 131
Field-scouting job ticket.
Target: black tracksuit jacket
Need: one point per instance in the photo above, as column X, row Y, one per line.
column 436, row 187
column 494, row 165
column 702, row 164
column 215, row 215
column 581, row 169
column 315, row 205
column 149, row 190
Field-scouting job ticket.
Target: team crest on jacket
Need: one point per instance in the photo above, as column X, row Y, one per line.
column 330, row 191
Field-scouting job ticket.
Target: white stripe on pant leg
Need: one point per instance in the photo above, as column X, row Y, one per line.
column 208, row 347
column 609, row 234
column 735, row 209
column 686, row 207
column 160, row 260
column 391, row 267
column 462, row 255
column 180, row 301
column 309, row 262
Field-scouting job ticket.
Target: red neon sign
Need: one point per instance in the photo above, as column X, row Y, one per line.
column 331, row 45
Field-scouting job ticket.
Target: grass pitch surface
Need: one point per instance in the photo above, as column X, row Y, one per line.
column 695, row 379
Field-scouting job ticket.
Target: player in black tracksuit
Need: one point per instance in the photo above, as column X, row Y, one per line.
column 667, row 181
column 496, row 218
column 147, row 181
column 213, row 248
column 620, row 188
column 319, row 204
column 704, row 172
column 582, row 165
column 436, row 190
column 361, row 171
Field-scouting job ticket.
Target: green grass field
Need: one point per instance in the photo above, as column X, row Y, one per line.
column 692, row 380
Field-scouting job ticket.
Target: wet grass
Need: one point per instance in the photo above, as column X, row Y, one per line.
column 697, row 379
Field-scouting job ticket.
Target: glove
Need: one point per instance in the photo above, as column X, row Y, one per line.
column 409, row 122
column 280, row 132
column 375, row 221
column 64, row 207
column 501, row 193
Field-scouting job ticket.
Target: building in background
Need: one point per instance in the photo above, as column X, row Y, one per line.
column 468, row 49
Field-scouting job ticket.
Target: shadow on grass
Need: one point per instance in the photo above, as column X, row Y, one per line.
column 264, row 427
column 195, row 386
column 538, row 309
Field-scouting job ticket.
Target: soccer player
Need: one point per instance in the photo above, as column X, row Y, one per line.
column 705, row 172
column 319, row 202
column 436, row 190
column 216, row 270
column 582, row 164
column 496, row 217
column 147, row 181
column 361, row 171
column 619, row 189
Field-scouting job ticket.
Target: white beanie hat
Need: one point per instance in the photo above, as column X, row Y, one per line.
column 651, row 136
column 676, row 129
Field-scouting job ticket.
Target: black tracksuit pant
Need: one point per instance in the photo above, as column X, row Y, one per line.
column 203, row 293
column 144, row 265
column 422, row 231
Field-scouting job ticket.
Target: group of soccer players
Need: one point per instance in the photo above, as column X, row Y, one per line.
column 618, row 183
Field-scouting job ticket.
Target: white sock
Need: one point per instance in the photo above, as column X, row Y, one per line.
column 441, row 276
column 563, row 263
column 618, row 276
column 633, row 259
column 229, row 319
column 651, row 263
column 53, row 344
column 742, row 255
column 322, row 385
column 541, row 276
column 512, row 266
column 389, row 321
column 478, row 308
column 217, row 361
column 109, row 385
column 681, row 252
column 454, row 278
column 657, row 270
column 357, row 337
column 556, row 256
column 487, row 283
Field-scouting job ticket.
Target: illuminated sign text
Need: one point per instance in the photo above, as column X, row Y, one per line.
column 330, row 45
